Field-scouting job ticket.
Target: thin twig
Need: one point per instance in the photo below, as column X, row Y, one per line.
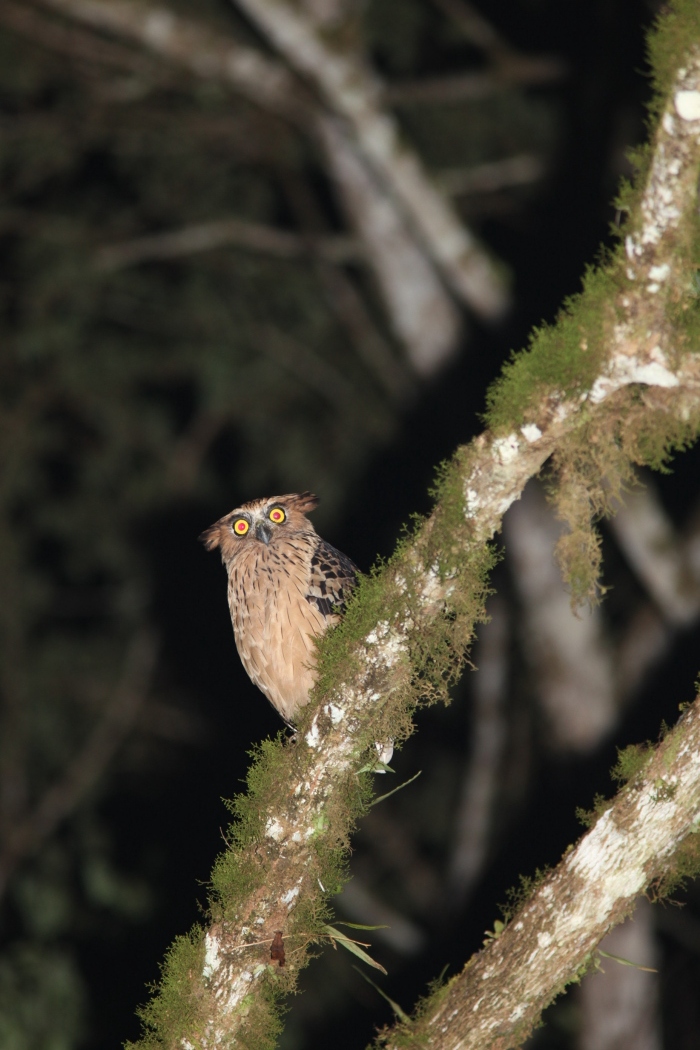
column 520, row 170
column 73, row 42
column 508, row 62
column 468, row 87
column 238, row 233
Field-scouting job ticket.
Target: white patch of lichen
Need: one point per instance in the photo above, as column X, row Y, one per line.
column 212, row 956
column 687, row 105
column 335, row 712
column 531, row 432
column 274, row 830
column 506, row 449
column 625, row 370
column 313, row 737
column 290, row 895
column 388, row 643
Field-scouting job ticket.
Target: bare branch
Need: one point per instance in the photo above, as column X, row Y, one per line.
column 536, row 69
column 423, row 318
column 238, row 233
column 74, row 42
column 581, row 684
column 477, row 29
column 500, row 994
column 319, row 375
column 353, row 93
column 476, row 805
column 520, row 170
column 464, row 87
column 392, row 375
column 568, row 652
column 649, row 541
column 619, row 1004
column 345, row 300
column 196, row 48
column 652, row 629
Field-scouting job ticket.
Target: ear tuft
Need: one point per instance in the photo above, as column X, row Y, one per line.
column 210, row 537
column 303, row 501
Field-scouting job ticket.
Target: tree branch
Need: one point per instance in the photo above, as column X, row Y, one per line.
column 74, row 42
column 473, row 823
column 619, row 1005
column 422, row 316
column 499, row 996
column 353, row 93
column 195, row 47
column 569, row 653
column 520, row 170
column 207, row 236
column 618, row 361
column 648, row 636
column 405, row 271
column 658, row 556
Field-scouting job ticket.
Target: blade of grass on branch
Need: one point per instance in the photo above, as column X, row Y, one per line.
column 352, row 946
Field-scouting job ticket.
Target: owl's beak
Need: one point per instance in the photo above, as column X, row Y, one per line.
column 263, row 532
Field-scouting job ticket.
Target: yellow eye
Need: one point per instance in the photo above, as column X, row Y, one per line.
column 240, row 526
column 277, row 515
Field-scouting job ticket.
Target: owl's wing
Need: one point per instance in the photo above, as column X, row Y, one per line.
column 332, row 577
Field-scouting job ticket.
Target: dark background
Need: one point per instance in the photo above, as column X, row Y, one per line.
column 139, row 406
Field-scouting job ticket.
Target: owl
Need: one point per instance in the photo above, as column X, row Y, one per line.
column 286, row 586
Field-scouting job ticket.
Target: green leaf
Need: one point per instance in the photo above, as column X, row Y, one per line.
column 394, row 790
column 359, row 926
column 401, row 1014
column 626, row 962
column 352, row 946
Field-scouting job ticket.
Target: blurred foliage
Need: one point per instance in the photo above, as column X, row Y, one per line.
column 41, row 998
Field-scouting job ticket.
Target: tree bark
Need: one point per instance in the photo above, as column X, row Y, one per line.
column 499, row 996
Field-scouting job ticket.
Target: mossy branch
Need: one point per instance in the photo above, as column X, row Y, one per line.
column 615, row 381
column 646, row 840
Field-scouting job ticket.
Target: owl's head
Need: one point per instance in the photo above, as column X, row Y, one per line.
column 263, row 522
